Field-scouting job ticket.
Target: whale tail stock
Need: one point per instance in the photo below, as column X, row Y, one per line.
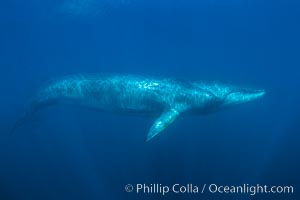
column 30, row 114
column 20, row 122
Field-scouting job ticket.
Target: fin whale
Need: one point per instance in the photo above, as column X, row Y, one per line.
column 166, row 98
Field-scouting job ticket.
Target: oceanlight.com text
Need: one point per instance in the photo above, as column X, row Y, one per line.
column 163, row 189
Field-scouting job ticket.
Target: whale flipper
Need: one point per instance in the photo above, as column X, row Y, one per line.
column 162, row 123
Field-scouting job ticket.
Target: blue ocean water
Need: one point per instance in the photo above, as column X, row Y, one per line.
column 74, row 153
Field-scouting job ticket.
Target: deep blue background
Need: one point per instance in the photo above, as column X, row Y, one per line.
column 73, row 153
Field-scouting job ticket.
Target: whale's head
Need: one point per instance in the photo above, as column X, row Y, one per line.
column 226, row 95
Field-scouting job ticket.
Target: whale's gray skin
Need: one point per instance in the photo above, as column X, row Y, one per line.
column 136, row 94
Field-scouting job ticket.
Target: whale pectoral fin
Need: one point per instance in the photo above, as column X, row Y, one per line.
column 162, row 123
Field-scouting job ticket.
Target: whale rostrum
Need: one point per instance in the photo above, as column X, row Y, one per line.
column 165, row 98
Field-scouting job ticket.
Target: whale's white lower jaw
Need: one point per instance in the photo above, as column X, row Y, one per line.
column 258, row 94
column 243, row 96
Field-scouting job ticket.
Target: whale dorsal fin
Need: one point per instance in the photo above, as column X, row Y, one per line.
column 162, row 123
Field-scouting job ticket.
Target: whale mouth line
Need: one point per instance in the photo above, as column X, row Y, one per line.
column 237, row 97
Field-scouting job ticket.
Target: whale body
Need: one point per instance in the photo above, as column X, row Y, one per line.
column 165, row 98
